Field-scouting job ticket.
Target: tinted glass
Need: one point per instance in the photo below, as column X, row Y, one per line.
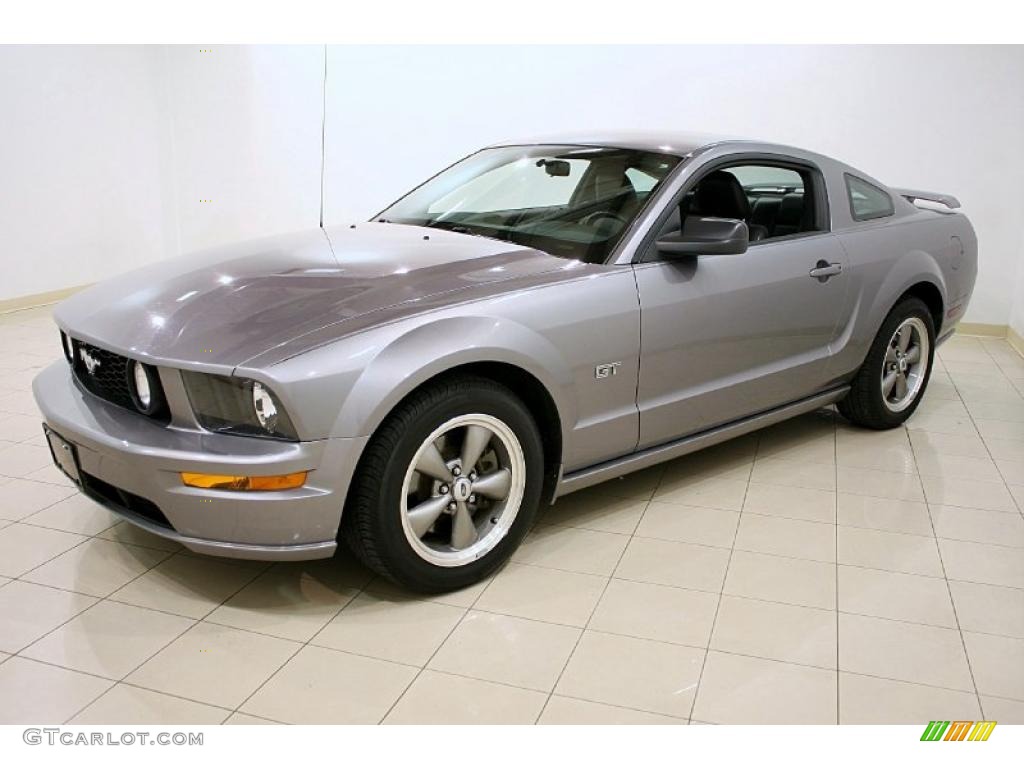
column 866, row 200
column 575, row 202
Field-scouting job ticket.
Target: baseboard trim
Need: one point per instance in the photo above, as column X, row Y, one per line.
column 1015, row 339
column 982, row 329
column 37, row 299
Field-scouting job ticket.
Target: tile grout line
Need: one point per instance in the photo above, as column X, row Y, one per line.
column 725, row 575
column 597, row 603
column 945, row 575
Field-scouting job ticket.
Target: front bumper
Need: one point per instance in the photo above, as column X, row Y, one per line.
column 131, row 465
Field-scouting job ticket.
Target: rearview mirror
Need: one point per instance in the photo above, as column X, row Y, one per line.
column 555, row 167
column 705, row 237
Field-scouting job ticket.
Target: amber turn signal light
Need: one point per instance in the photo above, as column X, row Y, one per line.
column 244, row 482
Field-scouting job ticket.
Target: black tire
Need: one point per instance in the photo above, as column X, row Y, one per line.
column 371, row 524
column 865, row 404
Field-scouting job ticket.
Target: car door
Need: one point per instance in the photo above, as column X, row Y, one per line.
column 729, row 336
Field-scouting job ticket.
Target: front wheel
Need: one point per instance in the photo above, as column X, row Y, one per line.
column 890, row 384
column 447, row 487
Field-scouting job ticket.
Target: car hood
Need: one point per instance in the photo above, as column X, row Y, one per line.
column 223, row 306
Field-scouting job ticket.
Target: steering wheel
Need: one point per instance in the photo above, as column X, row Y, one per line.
column 596, row 215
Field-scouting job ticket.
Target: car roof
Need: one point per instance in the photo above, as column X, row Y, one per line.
column 667, row 142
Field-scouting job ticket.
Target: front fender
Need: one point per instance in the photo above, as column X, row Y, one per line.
column 426, row 350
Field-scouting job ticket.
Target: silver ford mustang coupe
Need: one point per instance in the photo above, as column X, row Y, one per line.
column 537, row 318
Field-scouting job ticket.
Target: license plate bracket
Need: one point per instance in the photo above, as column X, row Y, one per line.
column 65, row 455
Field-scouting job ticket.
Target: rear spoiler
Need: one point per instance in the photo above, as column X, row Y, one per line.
column 913, row 195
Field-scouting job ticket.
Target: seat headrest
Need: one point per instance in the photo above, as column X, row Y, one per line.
column 720, row 194
column 791, row 210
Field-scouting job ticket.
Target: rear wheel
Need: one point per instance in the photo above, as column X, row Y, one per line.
column 890, row 384
column 447, row 487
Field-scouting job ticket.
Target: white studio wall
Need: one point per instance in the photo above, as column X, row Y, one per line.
column 109, row 154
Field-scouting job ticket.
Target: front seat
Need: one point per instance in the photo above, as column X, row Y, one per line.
column 720, row 194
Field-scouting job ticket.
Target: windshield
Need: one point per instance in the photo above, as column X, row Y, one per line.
column 575, row 202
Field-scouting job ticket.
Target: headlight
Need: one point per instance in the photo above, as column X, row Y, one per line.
column 240, row 406
column 145, row 389
column 68, row 346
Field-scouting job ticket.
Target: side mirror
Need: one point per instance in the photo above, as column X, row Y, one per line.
column 705, row 237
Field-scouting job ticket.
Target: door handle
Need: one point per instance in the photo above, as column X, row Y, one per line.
column 823, row 270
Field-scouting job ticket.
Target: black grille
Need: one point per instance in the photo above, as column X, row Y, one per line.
column 103, row 373
column 107, row 375
column 123, row 501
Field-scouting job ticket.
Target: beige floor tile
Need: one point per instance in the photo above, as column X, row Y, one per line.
column 572, row 549
column 436, row 698
column 505, row 649
column 788, row 501
column 875, row 482
column 914, row 653
column 595, row 509
column 887, row 551
column 979, row 525
column 1005, row 711
column 989, row 609
column 789, row 538
column 544, row 594
column 323, row 686
column 128, row 705
column 998, row 428
column 639, row 486
column 24, row 547
column 284, row 603
column 674, row 564
column 782, row 579
column 1001, row 449
column 562, row 710
column 215, row 665
column 188, row 585
column 655, row 612
column 696, row 525
column 32, row 692
column 884, row 514
column 21, row 498
column 109, row 639
column 17, row 427
column 342, row 570
column 29, row 611
column 892, row 457
column 733, row 458
column 799, row 474
column 816, row 450
column 22, row 460
column 957, row 467
column 867, row 700
column 126, row 533
column 997, row 663
column 1008, row 411
column 392, row 627
column 977, row 494
column 948, row 445
column 746, row 691
column 96, row 567
column 900, row 596
column 629, row 672
column 240, row 718
column 1012, row 470
column 776, row 631
column 724, row 492
column 75, row 514
column 982, row 563
column 1017, row 491
column 950, row 425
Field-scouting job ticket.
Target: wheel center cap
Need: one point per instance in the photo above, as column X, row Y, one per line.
column 461, row 489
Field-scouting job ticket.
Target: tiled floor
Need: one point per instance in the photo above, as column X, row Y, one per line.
column 811, row 573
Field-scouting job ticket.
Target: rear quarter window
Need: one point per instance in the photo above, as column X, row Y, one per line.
column 866, row 200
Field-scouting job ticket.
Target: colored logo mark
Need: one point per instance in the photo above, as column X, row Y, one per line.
column 958, row 730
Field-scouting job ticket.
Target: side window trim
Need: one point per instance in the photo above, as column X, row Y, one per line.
column 823, row 218
column 889, row 211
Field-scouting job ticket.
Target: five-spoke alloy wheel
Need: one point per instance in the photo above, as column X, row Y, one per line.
column 447, row 486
